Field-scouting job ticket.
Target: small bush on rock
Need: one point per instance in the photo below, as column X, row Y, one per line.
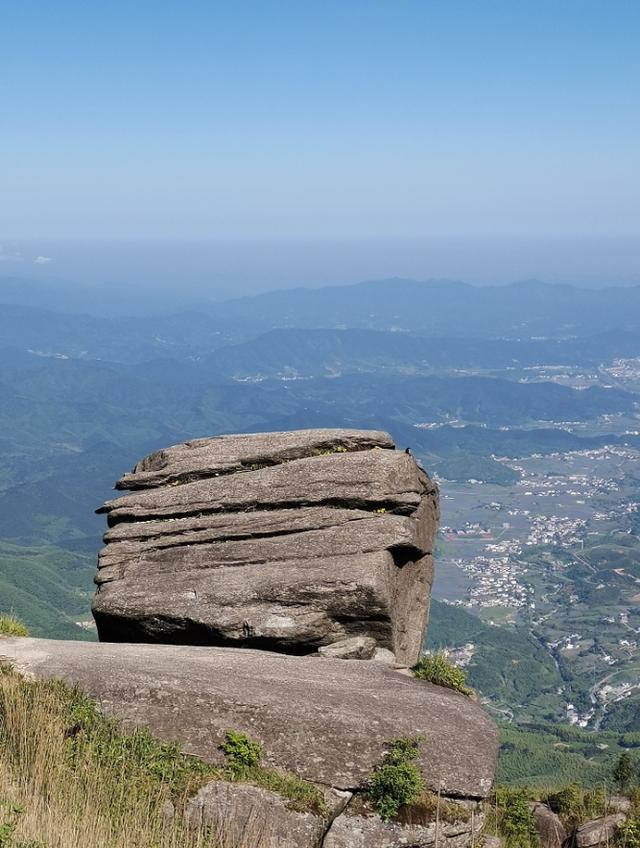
column 436, row 668
column 242, row 753
column 243, row 756
column 11, row 626
column 397, row 780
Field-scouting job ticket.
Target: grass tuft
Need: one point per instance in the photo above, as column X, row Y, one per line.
column 243, row 765
column 70, row 776
column 11, row 626
column 436, row 668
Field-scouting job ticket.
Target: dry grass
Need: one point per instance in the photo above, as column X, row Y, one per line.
column 79, row 781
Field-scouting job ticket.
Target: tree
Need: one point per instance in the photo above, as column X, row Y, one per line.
column 624, row 772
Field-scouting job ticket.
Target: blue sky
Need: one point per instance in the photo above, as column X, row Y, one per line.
column 319, row 120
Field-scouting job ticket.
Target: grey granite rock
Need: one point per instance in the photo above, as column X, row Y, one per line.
column 376, row 479
column 244, row 813
column 225, row 454
column 357, row 831
column 284, row 541
column 619, row 804
column 326, row 720
column 597, row 832
column 550, row 829
column 355, row 648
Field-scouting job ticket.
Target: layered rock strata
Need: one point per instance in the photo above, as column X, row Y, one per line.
column 284, row 541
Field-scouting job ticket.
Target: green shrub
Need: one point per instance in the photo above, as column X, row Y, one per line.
column 9, row 817
column 625, row 773
column 242, row 753
column 397, row 780
column 575, row 804
column 515, row 820
column 11, row 626
column 628, row 833
column 243, row 756
column 436, row 668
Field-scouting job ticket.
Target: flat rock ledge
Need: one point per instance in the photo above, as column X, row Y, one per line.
column 281, row 541
column 326, row 720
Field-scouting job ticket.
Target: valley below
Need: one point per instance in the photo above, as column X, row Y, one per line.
column 532, row 435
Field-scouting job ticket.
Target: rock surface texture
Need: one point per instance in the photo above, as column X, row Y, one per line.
column 550, row 829
column 327, row 720
column 261, row 815
column 287, row 576
column 598, row 832
column 355, row 831
column 280, row 541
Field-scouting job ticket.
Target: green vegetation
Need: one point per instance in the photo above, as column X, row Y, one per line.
column 397, row 781
column 79, row 780
column 12, row 626
column 48, row 588
column 623, row 715
column 241, row 752
column 625, row 772
column 508, row 666
column 10, row 815
column 510, row 812
column 74, row 777
column 628, row 833
column 550, row 756
column 329, row 451
column 514, row 819
column 436, row 668
column 242, row 764
column 429, row 807
column 575, row 804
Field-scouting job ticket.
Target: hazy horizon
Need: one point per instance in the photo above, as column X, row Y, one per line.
column 213, row 271
column 217, row 150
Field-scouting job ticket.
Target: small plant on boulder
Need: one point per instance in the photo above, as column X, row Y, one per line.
column 436, row 668
column 242, row 753
column 243, row 765
column 11, row 626
column 575, row 804
column 397, row 780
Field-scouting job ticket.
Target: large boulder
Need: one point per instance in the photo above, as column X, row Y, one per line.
column 549, row 826
column 326, row 720
column 284, row 541
column 600, row 831
column 246, row 815
column 358, row 831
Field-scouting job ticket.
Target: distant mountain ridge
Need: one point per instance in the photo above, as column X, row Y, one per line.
column 84, row 395
column 521, row 310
